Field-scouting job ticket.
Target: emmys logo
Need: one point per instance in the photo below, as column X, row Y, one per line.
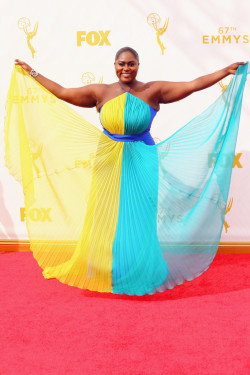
column 228, row 208
column 36, row 152
column 224, row 209
column 226, row 35
column 154, row 20
column 24, row 24
column 88, row 78
column 34, row 96
column 157, row 140
column 35, row 214
column 225, row 160
column 165, row 215
column 93, row 38
column 224, row 86
column 164, row 150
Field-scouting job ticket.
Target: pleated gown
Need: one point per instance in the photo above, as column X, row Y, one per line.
column 109, row 210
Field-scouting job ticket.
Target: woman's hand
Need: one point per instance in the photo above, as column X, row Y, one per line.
column 231, row 69
column 25, row 66
column 82, row 96
column 168, row 92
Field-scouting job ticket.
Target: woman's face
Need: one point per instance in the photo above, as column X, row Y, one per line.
column 126, row 67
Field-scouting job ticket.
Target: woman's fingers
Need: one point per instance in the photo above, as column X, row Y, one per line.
column 18, row 62
column 23, row 65
column 233, row 67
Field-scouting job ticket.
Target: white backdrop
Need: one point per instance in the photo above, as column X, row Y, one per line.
column 74, row 43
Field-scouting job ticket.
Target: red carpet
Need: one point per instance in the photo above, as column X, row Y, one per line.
column 200, row 327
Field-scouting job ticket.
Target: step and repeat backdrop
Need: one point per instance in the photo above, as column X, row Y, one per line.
column 74, row 44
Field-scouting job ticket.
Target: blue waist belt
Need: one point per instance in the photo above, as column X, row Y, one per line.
column 127, row 137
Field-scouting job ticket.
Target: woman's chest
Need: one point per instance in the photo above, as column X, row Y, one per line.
column 126, row 114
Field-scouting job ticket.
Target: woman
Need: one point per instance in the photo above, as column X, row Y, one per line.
column 126, row 67
column 124, row 215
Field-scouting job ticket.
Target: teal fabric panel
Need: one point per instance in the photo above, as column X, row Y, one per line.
column 194, row 183
column 137, row 115
column 174, row 196
column 138, row 264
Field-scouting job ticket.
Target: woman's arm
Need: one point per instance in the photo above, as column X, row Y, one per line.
column 85, row 96
column 168, row 92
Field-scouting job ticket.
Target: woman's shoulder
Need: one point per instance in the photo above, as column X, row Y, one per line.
column 103, row 89
column 150, row 87
column 149, row 90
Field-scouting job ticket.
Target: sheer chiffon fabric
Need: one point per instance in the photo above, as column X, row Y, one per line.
column 100, row 204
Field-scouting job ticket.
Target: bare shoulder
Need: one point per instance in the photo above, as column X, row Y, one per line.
column 168, row 91
column 102, row 89
column 149, row 91
column 96, row 89
column 152, row 88
column 105, row 92
column 156, row 86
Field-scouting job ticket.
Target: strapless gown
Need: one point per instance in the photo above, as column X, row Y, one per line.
column 109, row 210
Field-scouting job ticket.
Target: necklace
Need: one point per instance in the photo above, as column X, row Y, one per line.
column 129, row 88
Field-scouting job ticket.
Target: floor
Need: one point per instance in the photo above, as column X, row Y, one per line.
column 200, row 327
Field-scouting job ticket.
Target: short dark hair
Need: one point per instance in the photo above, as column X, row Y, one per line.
column 127, row 49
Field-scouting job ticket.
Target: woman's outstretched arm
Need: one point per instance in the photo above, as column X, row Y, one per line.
column 85, row 96
column 168, row 92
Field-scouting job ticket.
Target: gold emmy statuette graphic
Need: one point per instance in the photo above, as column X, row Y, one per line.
column 229, row 206
column 88, row 78
column 154, row 20
column 24, row 23
column 39, row 163
column 223, row 86
column 157, row 140
column 36, row 154
column 166, row 147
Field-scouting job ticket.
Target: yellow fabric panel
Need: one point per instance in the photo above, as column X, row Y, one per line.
column 70, row 172
column 112, row 114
